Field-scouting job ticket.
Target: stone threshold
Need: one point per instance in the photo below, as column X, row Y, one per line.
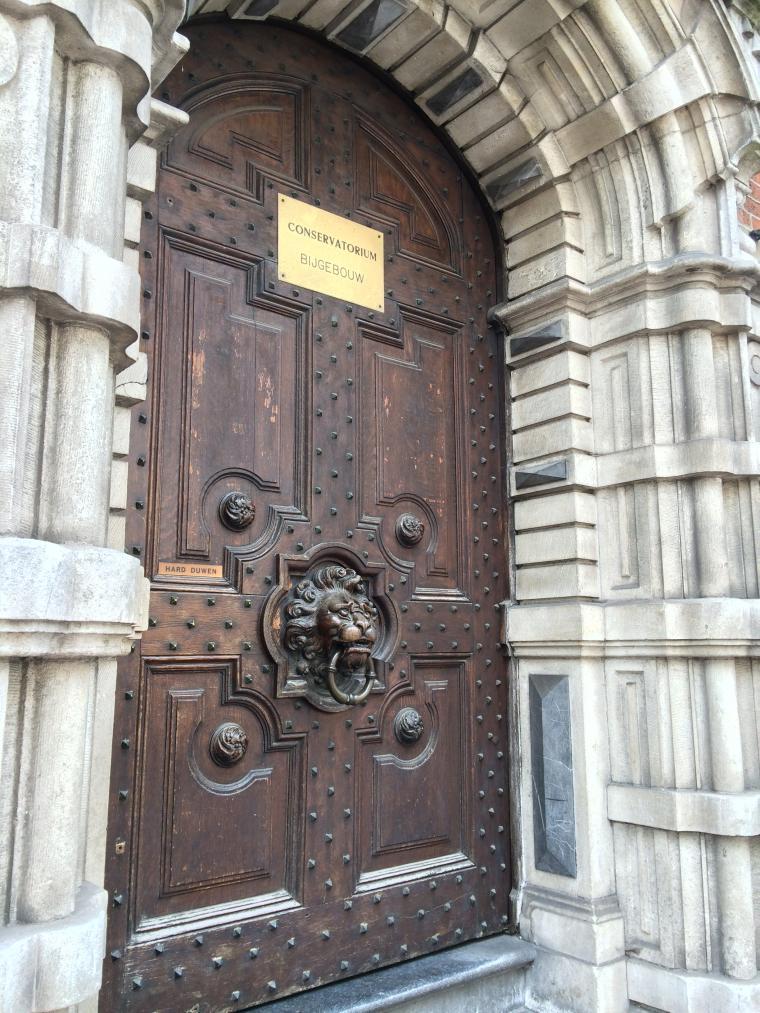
column 493, row 968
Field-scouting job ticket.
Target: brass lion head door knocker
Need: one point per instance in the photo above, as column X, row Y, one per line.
column 331, row 630
column 323, row 628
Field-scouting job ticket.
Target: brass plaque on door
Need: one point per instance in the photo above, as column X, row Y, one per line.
column 197, row 571
column 329, row 254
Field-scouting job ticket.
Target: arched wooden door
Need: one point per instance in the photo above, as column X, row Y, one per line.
column 309, row 769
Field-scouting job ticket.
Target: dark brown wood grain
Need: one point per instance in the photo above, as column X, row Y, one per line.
column 259, row 845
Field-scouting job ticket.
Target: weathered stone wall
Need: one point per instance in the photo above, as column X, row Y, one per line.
column 75, row 83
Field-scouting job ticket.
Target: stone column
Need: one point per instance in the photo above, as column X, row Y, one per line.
column 75, row 83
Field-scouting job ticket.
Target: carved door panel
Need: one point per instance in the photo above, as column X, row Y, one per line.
column 309, row 775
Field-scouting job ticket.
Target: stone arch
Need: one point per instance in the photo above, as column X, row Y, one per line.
column 614, row 137
column 555, row 94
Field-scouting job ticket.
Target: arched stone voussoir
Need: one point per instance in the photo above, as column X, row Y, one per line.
column 457, row 75
column 480, row 72
column 427, row 46
column 516, row 92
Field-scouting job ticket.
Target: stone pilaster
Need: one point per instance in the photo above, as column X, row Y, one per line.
column 659, row 654
column 635, row 621
column 75, row 82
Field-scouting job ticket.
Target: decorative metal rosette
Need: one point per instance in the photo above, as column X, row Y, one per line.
column 236, row 511
column 408, row 725
column 409, row 529
column 228, row 744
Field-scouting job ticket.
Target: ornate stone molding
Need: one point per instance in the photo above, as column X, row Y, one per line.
column 696, row 627
column 68, row 600
column 71, row 303
column 143, row 49
column 71, row 281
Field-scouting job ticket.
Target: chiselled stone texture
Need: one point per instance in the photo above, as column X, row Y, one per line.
column 75, row 83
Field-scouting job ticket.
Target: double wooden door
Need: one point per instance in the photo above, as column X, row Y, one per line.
column 309, row 768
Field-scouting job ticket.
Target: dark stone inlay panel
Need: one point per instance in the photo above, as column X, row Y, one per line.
column 556, row 471
column 260, row 8
column 454, row 91
column 545, row 335
column 552, row 760
column 371, row 24
column 504, row 185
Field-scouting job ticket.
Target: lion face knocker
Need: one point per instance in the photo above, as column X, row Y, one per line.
column 331, row 628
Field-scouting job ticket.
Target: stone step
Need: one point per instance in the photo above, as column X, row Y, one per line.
column 487, row 976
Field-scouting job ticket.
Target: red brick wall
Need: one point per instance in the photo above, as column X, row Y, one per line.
column 749, row 215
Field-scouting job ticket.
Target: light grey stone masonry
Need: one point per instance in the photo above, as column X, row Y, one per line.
column 75, row 84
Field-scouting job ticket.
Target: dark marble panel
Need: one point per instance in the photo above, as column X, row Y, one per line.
column 545, row 335
column 504, row 185
column 556, row 471
column 454, row 91
column 260, row 8
column 371, row 23
column 552, row 761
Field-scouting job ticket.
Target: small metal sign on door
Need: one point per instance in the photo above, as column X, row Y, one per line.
column 326, row 253
column 199, row 571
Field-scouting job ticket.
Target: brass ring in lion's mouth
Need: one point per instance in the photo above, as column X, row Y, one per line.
column 359, row 650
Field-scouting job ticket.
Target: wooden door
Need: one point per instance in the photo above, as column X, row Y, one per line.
column 309, row 768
